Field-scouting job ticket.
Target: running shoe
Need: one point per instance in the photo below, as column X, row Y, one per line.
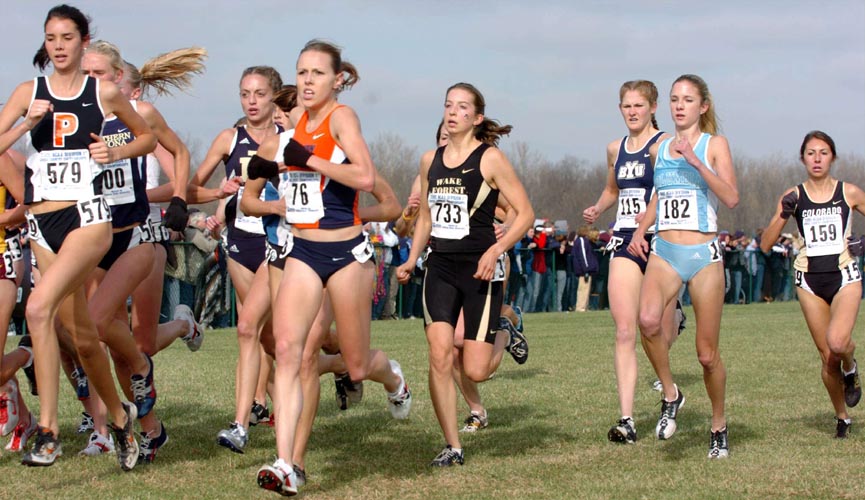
column 680, row 316
column 195, row 336
column 86, row 424
column 124, row 439
column 348, row 392
column 144, row 390
column 518, row 346
column 82, row 385
column 852, row 387
column 98, row 445
column 399, row 402
column 519, row 313
column 150, row 445
column 341, row 395
column 719, row 447
column 657, row 386
column 258, row 414
column 475, row 422
column 8, row 407
column 26, row 343
column 842, row 427
column 21, row 434
column 278, row 477
column 300, row 474
column 234, row 438
column 448, row 457
column 623, row 432
column 669, row 410
column 45, row 450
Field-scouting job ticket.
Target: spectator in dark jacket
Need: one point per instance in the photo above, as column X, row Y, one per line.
column 585, row 265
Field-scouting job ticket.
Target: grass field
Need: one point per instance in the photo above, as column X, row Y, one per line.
column 547, row 435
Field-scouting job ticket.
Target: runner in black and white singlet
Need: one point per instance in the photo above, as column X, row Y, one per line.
column 828, row 278
column 630, row 185
column 693, row 173
column 69, row 219
column 460, row 184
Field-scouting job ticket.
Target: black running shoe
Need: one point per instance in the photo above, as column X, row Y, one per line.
column 144, row 390
column 258, row 414
column 852, row 387
column 669, row 411
column 447, row 458
column 518, row 346
column 842, row 427
column 150, row 445
column 718, row 444
column 623, row 432
column 348, row 392
column 30, row 372
column 45, row 450
column 124, row 439
column 341, row 395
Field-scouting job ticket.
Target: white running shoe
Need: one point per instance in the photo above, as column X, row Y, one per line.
column 399, row 402
column 8, row 407
column 20, row 435
column 669, row 411
column 98, row 445
column 195, row 335
column 278, row 477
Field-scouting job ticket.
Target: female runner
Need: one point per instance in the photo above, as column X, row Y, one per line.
column 328, row 163
column 828, row 278
column 693, row 171
column 629, row 186
column 70, row 221
column 121, row 272
column 460, row 184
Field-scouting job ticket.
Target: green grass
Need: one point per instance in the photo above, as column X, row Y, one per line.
column 547, row 434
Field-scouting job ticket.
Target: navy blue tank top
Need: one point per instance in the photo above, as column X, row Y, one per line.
column 124, row 182
column 635, row 180
column 243, row 148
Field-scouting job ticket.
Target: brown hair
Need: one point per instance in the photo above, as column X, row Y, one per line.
column 345, row 68
column 647, row 89
column 817, row 134
column 171, row 69
column 489, row 131
column 63, row 11
column 272, row 76
column 708, row 120
column 286, row 98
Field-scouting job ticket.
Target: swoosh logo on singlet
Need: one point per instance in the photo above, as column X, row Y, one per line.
column 85, row 104
column 835, row 202
column 465, row 171
column 244, row 141
column 647, row 155
column 317, row 136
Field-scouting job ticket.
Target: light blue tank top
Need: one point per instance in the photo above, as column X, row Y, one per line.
column 685, row 201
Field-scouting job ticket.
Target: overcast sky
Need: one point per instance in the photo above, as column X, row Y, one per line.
column 777, row 69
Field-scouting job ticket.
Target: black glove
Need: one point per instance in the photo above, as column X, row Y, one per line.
column 788, row 204
column 295, row 154
column 259, row 168
column 855, row 246
column 176, row 214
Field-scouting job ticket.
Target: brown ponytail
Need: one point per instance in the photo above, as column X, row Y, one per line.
column 489, row 131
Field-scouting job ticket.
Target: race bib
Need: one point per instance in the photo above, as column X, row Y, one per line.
column 245, row 222
column 64, row 174
column 632, row 201
column 9, row 265
column 302, row 193
column 677, row 209
column 824, row 234
column 117, row 183
column 94, row 211
column 13, row 248
column 450, row 215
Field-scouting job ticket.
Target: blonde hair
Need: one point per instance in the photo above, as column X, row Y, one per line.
column 709, row 119
column 171, row 69
column 110, row 51
column 646, row 89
